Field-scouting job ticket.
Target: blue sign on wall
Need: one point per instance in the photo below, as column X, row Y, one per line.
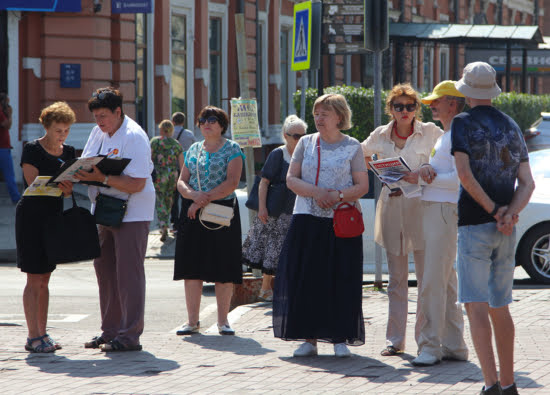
column 41, row 5
column 131, row 6
column 69, row 75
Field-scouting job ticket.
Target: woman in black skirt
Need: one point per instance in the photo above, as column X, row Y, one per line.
column 205, row 251
column 318, row 288
column 41, row 157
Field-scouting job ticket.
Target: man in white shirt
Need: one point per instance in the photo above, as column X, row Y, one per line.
column 441, row 333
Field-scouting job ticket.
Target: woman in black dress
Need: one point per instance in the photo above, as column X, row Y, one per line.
column 41, row 157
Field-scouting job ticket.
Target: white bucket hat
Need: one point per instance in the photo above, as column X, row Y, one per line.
column 478, row 81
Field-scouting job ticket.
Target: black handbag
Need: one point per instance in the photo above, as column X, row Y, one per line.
column 71, row 236
column 109, row 210
column 277, row 197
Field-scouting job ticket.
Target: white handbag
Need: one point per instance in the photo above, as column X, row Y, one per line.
column 213, row 212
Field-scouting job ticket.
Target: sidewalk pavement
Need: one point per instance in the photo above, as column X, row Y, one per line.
column 254, row 362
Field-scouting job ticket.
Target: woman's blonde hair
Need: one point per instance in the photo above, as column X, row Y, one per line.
column 339, row 104
column 404, row 90
column 59, row 112
column 290, row 122
column 167, row 126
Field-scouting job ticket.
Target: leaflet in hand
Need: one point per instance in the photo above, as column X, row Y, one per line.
column 39, row 188
column 108, row 166
column 391, row 171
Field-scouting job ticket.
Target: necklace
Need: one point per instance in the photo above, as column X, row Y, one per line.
column 398, row 135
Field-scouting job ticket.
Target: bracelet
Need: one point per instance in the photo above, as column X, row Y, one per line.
column 106, row 180
column 494, row 212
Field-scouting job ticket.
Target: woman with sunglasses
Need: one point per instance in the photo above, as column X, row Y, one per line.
column 319, row 282
column 205, row 251
column 398, row 223
column 265, row 238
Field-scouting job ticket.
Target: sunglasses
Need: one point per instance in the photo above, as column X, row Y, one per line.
column 103, row 94
column 400, row 107
column 295, row 136
column 211, row 120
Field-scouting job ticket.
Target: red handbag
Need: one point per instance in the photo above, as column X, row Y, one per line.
column 347, row 221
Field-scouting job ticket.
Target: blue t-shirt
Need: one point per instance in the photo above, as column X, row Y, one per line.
column 495, row 145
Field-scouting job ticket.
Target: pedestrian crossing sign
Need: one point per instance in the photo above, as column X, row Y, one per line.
column 301, row 37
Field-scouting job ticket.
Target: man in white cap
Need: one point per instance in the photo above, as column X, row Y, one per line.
column 490, row 155
column 442, row 332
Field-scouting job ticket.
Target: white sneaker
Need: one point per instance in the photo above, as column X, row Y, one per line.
column 341, row 350
column 188, row 329
column 306, row 350
column 225, row 330
column 425, row 359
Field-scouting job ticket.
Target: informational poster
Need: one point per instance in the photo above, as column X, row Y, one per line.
column 244, row 123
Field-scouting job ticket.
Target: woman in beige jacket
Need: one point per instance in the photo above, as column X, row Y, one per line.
column 398, row 223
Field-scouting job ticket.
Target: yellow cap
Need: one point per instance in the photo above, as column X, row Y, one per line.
column 445, row 88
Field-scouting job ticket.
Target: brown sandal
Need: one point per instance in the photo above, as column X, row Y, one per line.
column 390, row 351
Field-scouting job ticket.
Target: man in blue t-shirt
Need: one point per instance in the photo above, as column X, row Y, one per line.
column 490, row 156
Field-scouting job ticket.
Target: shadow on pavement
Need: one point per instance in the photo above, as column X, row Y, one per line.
column 354, row 366
column 235, row 344
column 126, row 364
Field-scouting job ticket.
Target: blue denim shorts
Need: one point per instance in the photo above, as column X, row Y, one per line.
column 485, row 265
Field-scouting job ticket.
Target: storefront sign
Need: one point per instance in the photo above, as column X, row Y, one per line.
column 41, row 5
column 244, row 123
column 69, row 75
column 538, row 61
column 131, row 6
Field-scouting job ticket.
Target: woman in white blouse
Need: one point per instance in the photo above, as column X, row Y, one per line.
column 318, row 288
column 398, row 223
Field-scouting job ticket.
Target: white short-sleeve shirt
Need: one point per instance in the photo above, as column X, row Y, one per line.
column 129, row 141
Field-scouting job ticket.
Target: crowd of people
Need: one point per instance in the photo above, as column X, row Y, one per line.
column 465, row 212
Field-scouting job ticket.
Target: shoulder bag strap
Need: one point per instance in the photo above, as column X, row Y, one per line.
column 200, row 190
column 318, row 159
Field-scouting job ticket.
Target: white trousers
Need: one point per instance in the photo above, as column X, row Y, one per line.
column 441, row 331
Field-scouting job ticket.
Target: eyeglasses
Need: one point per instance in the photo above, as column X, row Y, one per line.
column 103, row 94
column 400, row 107
column 295, row 136
column 211, row 120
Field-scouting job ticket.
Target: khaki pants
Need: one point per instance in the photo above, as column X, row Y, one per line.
column 398, row 296
column 121, row 278
column 442, row 330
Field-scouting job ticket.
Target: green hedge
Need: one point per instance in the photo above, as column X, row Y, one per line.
column 523, row 108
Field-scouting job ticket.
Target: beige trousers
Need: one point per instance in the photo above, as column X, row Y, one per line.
column 398, row 296
column 442, row 330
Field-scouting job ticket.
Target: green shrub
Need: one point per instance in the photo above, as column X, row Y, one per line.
column 523, row 108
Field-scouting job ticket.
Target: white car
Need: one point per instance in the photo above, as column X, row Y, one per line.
column 532, row 230
column 537, row 137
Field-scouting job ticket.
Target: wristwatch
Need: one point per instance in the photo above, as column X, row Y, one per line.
column 494, row 212
column 340, row 195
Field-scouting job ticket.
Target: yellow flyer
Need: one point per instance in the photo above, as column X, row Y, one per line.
column 244, row 123
column 39, row 188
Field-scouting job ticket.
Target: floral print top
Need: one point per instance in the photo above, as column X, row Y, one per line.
column 165, row 153
column 212, row 165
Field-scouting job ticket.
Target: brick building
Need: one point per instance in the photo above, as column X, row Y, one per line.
column 182, row 55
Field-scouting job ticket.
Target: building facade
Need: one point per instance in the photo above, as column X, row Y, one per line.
column 182, row 56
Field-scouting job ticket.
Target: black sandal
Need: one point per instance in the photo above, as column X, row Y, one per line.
column 115, row 345
column 390, row 351
column 54, row 343
column 43, row 347
column 95, row 342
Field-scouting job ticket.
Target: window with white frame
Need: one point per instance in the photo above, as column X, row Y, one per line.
column 178, row 29
column 428, row 69
column 288, row 77
column 443, row 63
column 215, row 48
